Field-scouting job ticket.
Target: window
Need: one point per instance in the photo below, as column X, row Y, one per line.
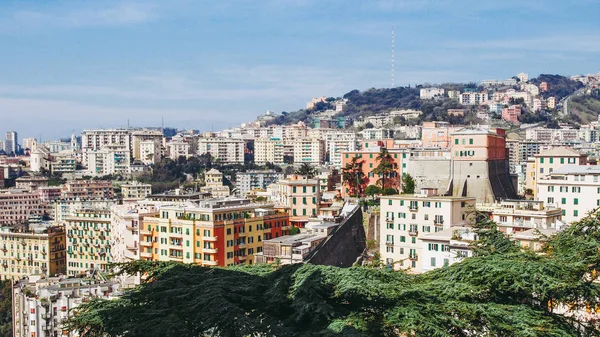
column 541, row 160
column 571, row 160
column 390, row 202
column 390, row 225
column 389, row 239
column 446, row 262
column 470, row 141
column 550, row 200
column 551, row 160
column 575, row 201
column 456, row 141
column 402, row 238
column 433, row 261
column 563, row 201
column 294, row 200
column 575, row 213
column 294, row 189
column 541, row 170
column 389, row 249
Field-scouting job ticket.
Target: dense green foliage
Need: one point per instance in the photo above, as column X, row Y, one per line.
column 375, row 101
column 372, row 191
column 559, row 86
column 408, row 184
column 306, row 170
column 502, row 291
column 168, row 174
column 5, row 309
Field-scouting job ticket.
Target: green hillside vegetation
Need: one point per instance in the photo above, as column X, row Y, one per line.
column 559, row 86
column 502, row 291
column 5, row 309
column 585, row 107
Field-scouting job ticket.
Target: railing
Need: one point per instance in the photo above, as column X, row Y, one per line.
column 210, row 250
column 210, row 263
column 210, row 238
column 389, row 242
column 389, row 219
column 413, row 207
column 438, row 221
column 413, row 257
column 413, row 232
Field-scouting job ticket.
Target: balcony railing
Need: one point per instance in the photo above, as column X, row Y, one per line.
column 389, row 219
column 210, row 238
column 210, row 263
column 210, row 250
column 413, row 207
column 438, row 221
column 389, row 242
column 413, row 257
column 413, row 232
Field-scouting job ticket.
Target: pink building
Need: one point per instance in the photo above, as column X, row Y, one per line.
column 17, row 206
column 543, row 86
column 436, row 134
column 511, row 114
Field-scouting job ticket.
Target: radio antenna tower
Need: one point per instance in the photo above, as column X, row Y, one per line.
column 393, row 57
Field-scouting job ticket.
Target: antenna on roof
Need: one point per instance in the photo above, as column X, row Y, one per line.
column 393, row 57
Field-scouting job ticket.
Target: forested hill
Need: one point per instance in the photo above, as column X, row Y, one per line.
column 558, row 86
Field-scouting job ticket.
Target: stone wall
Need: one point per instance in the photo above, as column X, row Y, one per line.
column 344, row 246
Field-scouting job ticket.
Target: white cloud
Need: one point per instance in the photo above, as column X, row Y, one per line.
column 580, row 42
column 119, row 14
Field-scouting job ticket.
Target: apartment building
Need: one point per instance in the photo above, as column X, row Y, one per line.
column 473, row 98
column 213, row 179
column 108, row 160
column 429, row 93
column 310, row 151
column 31, row 183
column 153, row 138
column 88, row 241
column 299, row 195
column 224, row 150
column 515, row 216
column 573, row 188
column 548, row 161
column 446, row 247
column 88, row 189
column 268, row 150
column 254, row 179
column 32, row 250
column 551, row 135
column 150, row 152
column 41, row 305
column 218, row 232
column 436, row 134
column 512, row 114
column 379, row 133
column 18, row 206
column 126, row 222
column 135, row 190
column 338, row 142
column 406, row 219
column 94, row 140
column 68, row 207
column 178, row 147
column 368, row 162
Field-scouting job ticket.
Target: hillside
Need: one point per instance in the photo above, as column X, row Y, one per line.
column 559, row 86
column 376, row 101
column 585, row 107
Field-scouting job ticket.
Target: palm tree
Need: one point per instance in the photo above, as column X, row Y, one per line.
column 385, row 169
column 306, row 170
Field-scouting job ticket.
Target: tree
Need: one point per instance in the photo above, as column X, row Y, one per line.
column 306, row 170
column 353, row 176
column 372, row 191
column 369, row 125
column 389, row 191
column 385, row 169
column 5, row 308
column 501, row 291
column 408, row 184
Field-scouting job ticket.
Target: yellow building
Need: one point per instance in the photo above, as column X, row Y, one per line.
column 88, row 244
column 31, row 250
column 215, row 233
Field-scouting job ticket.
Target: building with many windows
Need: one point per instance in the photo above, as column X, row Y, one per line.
column 217, row 232
column 18, row 206
column 309, row 151
column 135, row 190
column 299, row 195
column 268, row 150
column 94, row 140
column 109, row 159
column 548, row 161
column 252, row 180
column 406, row 219
column 573, row 188
column 41, row 305
column 88, row 241
column 31, row 250
column 224, row 150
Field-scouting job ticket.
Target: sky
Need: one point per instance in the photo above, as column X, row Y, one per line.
column 74, row 65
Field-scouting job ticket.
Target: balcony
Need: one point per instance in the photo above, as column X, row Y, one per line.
column 176, row 257
column 145, row 232
column 413, row 232
column 210, row 250
column 286, row 228
column 210, row 238
column 147, row 255
column 146, row 243
column 389, row 219
column 438, row 222
column 130, row 227
column 413, row 208
column 243, row 257
column 389, row 243
column 413, row 257
column 176, row 235
column 132, row 248
column 47, row 316
column 5, row 265
column 177, row 246
column 210, row 263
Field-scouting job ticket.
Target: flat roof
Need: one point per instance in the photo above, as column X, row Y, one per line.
column 424, row 197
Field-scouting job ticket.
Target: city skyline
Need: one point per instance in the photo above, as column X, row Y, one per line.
column 106, row 64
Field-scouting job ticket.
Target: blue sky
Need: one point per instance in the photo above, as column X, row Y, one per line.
column 70, row 65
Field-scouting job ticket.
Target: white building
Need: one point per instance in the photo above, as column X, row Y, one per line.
column 178, row 147
column 252, row 180
column 523, row 77
column 405, row 219
column 214, row 184
column 224, row 150
column 446, row 247
column 109, row 159
column 338, row 142
column 428, row 93
column 94, row 140
column 150, row 151
column 309, row 151
column 378, row 134
column 40, row 306
column 135, row 190
column 125, row 230
column 473, row 98
column 574, row 188
column 268, row 150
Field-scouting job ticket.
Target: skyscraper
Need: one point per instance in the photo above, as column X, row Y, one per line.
column 11, row 144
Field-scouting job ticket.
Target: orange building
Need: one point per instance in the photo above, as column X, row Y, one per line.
column 511, row 114
column 479, row 145
column 215, row 233
column 436, row 134
column 368, row 160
